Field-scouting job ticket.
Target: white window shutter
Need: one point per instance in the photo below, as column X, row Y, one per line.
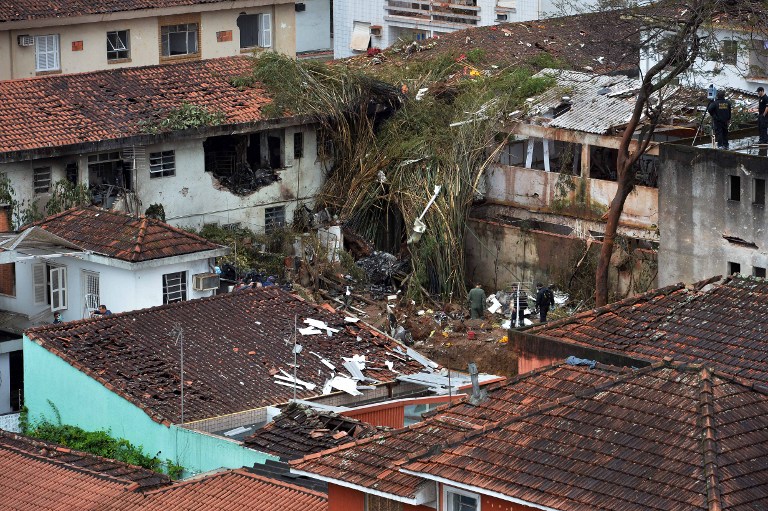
column 266, row 31
column 38, row 282
column 54, row 53
column 58, row 288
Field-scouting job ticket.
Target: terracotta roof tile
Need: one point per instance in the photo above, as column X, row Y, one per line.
column 300, row 430
column 234, row 344
column 122, row 236
column 660, row 438
column 721, row 324
column 62, row 110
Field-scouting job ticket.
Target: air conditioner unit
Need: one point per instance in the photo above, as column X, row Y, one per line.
column 205, row 281
column 26, row 40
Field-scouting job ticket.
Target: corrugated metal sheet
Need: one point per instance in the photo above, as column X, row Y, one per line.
column 598, row 102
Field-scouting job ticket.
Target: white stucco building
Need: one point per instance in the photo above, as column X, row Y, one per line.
column 360, row 24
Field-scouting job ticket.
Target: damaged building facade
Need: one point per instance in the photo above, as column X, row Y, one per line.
column 101, row 130
column 546, row 194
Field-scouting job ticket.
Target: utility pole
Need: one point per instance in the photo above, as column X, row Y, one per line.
column 179, row 332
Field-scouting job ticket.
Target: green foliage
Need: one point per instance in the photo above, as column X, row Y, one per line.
column 156, row 211
column 24, row 420
column 543, row 60
column 476, row 55
column 64, row 195
column 184, row 117
column 173, row 470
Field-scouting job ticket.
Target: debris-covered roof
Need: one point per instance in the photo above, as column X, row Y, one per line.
column 371, row 463
column 67, row 110
column 238, row 352
column 665, row 437
column 300, row 430
column 721, row 324
column 122, row 236
column 37, row 475
column 594, row 104
column 31, row 10
column 233, row 490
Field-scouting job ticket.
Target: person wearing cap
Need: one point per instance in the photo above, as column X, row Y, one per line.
column 720, row 110
column 762, row 116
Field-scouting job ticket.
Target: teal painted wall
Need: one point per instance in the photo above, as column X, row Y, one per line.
column 84, row 402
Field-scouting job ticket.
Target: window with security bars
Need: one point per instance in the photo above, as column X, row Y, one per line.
column 376, row 503
column 274, row 219
column 162, row 164
column 460, row 500
column 179, row 39
column 90, row 290
column 47, row 53
column 175, row 287
column 118, row 45
column 42, row 179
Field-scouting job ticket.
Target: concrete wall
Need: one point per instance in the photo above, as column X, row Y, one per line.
column 84, row 402
column 313, row 26
column 19, row 62
column 695, row 213
column 119, row 289
column 538, row 190
column 498, row 255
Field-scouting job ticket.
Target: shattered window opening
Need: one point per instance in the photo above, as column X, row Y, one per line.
column 179, row 39
column 245, row 163
column 734, row 192
column 162, row 164
column 298, row 145
column 274, row 219
column 118, row 45
column 42, row 179
column 109, row 169
column 757, row 271
column 758, row 192
column 733, row 268
column 174, row 287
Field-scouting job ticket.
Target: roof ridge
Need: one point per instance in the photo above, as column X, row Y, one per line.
column 51, row 217
column 709, row 439
column 140, row 238
column 165, row 225
column 129, row 484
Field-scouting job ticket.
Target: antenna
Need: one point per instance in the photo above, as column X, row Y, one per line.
column 296, row 350
column 179, row 332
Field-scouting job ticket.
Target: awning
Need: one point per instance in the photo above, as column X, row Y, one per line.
column 361, row 36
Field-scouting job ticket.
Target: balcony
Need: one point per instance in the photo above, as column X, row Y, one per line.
column 430, row 14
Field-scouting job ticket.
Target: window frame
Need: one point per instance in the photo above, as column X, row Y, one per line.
column 54, row 53
column 165, row 167
column 91, row 301
column 447, row 502
column 182, row 287
column 758, row 197
column 734, row 268
column 263, row 23
column 270, row 214
column 734, row 193
column 298, row 145
column 36, row 180
column 759, row 272
column 13, row 283
column 165, row 39
column 729, row 52
column 126, row 48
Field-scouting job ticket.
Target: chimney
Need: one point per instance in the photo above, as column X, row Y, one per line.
column 478, row 395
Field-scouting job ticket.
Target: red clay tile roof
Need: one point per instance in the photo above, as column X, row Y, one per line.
column 40, row 476
column 122, row 236
column 300, row 430
column 30, row 9
column 722, row 324
column 57, row 111
column 372, row 463
column 234, row 490
column 660, row 438
column 233, row 345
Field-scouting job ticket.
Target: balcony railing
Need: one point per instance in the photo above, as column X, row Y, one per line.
column 461, row 13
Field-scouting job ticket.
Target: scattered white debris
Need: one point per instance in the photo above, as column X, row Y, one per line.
column 236, row 431
column 344, row 384
column 421, row 359
column 321, row 325
column 291, row 379
column 310, row 331
column 324, row 361
column 420, row 93
column 258, row 322
column 350, row 319
column 390, row 365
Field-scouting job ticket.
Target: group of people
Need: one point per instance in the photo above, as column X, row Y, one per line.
column 545, row 299
column 720, row 111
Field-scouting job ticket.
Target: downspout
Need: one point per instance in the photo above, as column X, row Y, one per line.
column 10, row 53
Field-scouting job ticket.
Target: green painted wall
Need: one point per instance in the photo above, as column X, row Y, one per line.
column 84, row 402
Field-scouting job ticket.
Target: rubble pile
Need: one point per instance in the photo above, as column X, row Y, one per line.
column 246, row 180
column 380, row 267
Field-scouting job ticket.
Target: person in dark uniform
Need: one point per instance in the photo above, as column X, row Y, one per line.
column 762, row 116
column 720, row 110
column 545, row 299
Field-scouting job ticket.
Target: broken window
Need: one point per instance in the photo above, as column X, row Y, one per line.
column 733, row 268
column 255, row 30
column 298, row 145
column 175, row 287
column 71, row 172
column 42, row 179
column 729, row 50
column 734, row 191
column 758, row 272
column 758, row 192
column 274, row 219
column 179, row 39
column 162, row 164
column 118, row 45
column 245, row 163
